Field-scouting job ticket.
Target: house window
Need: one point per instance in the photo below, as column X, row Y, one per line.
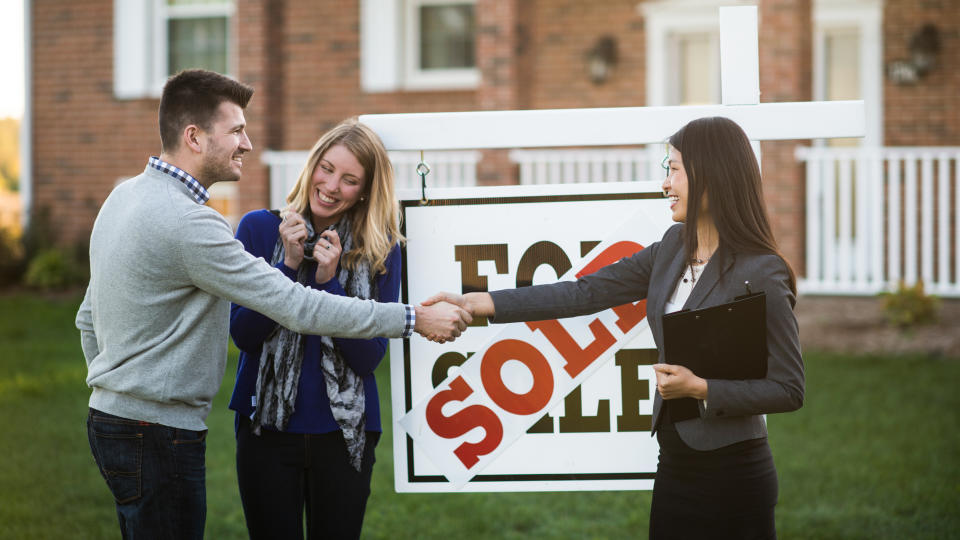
column 446, row 37
column 683, row 51
column 198, row 33
column 682, row 56
column 847, row 60
column 418, row 45
column 841, row 78
column 154, row 39
column 693, row 68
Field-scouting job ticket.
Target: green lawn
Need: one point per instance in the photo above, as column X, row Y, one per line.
column 874, row 453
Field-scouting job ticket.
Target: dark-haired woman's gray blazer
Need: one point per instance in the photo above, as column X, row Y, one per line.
column 734, row 407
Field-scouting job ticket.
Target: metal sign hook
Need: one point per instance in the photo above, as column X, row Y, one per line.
column 423, row 170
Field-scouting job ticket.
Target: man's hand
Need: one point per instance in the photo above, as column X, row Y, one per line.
column 441, row 321
column 479, row 304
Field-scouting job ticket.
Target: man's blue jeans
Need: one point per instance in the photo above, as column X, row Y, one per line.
column 156, row 473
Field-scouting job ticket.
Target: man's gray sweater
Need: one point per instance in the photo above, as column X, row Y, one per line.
column 154, row 321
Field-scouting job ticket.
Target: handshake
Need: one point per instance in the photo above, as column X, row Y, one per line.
column 444, row 316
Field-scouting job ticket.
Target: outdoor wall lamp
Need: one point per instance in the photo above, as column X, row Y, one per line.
column 601, row 58
column 924, row 47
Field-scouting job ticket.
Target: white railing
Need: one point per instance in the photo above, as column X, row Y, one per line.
column 875, row 216
column 447, row 169
column 878, row 216
column 578, row 165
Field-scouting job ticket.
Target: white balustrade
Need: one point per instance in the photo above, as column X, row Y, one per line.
column 875, row 216
column 878, row 216
column 447, row 169
column 589, row 165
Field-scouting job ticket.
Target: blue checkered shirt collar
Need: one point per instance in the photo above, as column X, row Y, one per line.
column 200, row 193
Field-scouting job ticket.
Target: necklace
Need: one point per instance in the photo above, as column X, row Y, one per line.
column 693, row 274
column 695, row 260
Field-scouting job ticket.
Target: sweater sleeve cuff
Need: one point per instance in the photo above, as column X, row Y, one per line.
column 411, row 321
column 333, row 286
column 287, row 271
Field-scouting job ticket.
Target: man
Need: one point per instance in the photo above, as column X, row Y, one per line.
column 163, row 271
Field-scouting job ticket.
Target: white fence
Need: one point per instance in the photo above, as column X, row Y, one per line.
column 571, row 166
column 447, row 169
column 876, row 216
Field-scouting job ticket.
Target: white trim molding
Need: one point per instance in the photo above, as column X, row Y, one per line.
column 666, row 18
column 26, row 121
column 380, row 33
column 141, row 46
column 866, row 17
column 389, row 50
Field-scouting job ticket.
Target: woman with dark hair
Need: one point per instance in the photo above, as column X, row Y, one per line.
column 715, row 476
column 308, row 413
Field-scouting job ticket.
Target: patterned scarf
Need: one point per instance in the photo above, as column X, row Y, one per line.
column 282, row 358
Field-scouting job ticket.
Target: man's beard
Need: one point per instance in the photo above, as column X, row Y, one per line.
column 215, row 170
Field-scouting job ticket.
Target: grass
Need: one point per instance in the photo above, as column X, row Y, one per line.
column 874, row 453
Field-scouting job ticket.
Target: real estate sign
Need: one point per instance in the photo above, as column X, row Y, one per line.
column 548, row 405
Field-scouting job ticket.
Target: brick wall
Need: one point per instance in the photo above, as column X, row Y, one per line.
column 321, row 74
column 498, row 58
column 785, row 75
column 303, row 58
column 83, row 140
column 255, row 64
column 560, row 32
column 314, row 78
column 926, row 113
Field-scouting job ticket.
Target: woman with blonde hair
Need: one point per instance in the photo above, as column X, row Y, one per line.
column 307, row 409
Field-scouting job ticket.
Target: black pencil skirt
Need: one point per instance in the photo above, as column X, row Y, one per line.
column 730, row 492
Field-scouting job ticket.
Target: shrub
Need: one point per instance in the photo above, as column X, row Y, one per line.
column 11, row 256
column 43, row 262
column 40, row 235
column 53, row 269
column 910, row 306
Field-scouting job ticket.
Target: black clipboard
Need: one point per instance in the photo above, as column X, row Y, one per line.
column 728, row 341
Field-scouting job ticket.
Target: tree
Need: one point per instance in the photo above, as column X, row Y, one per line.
column 10, row 154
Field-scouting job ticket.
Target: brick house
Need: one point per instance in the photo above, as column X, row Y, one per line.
column 96, row 68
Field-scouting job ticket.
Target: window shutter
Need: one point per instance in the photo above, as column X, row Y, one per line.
column 132, row 50
column 379, row 54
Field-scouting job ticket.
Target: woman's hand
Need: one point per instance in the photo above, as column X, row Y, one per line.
column 479, row 304
column 677, row 382
column 293, row 232
column 327, row 254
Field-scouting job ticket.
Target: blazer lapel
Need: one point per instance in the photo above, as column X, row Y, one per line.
column 709, row 279
column 656, row 301
column 674, row 270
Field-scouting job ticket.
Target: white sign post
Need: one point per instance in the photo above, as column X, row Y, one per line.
column 469, row 414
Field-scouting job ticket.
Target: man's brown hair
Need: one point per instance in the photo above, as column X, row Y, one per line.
column 192, row 97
